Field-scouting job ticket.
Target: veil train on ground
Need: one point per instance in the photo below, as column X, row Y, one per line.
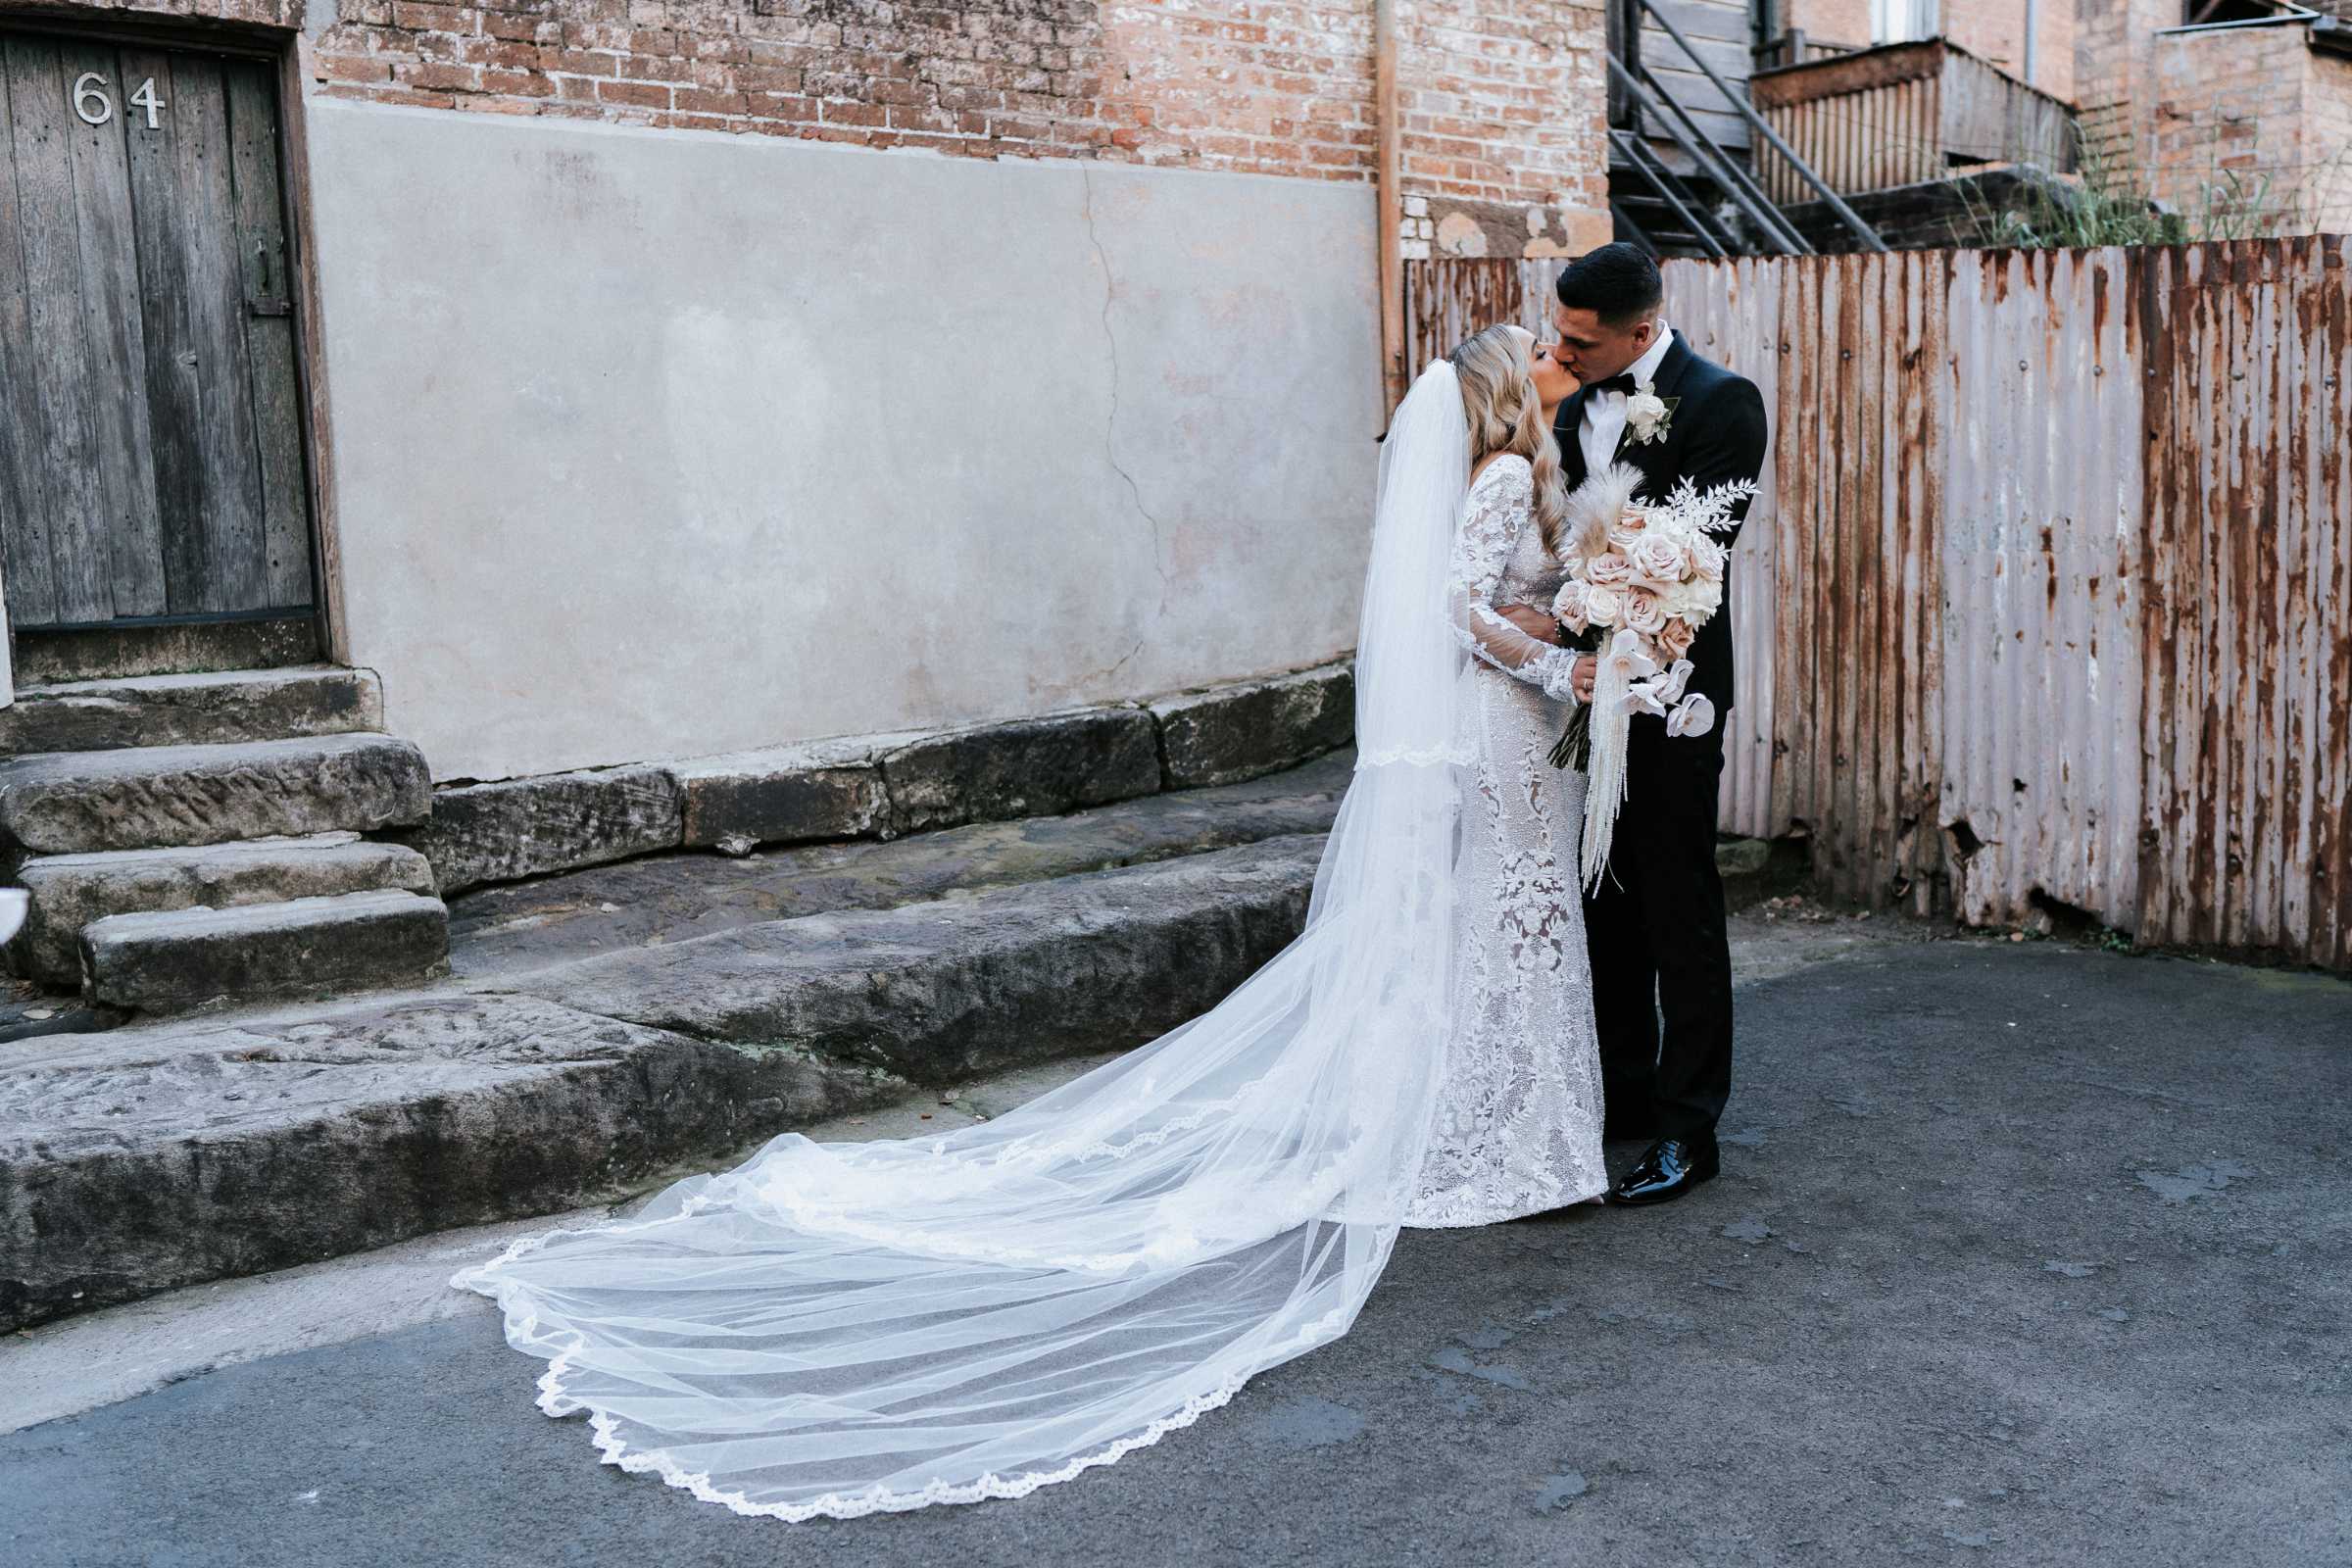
column 845, row 1329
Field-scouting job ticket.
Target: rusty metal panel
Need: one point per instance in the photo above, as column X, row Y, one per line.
column 1447, row 302
column 1730, row 313
column 2049, row 596
column 2245, row 744
column 1862, row 418
column 2042, row 557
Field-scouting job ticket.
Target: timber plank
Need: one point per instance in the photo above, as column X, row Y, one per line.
column 158, row 225
column 269, row 322
column 233, row 516
column 200, row 396
column 115, row 347
column 1723, row 20
column 62, row 421
column 24, row 513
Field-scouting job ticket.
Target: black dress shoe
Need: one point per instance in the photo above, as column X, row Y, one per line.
column 1670, row 1168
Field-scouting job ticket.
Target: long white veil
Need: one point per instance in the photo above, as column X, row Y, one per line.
column 843, row 1329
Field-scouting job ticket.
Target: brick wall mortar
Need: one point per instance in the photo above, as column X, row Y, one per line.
column 1505, row 96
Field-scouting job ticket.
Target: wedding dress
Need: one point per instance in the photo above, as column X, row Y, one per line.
column 845, row 1329
column 1518, row 1122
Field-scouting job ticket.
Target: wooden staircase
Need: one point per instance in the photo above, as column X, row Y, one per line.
column 1676, row 186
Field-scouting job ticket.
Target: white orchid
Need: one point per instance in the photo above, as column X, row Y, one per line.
column 1643, row 697
column 1694, row 717
column 1626, row 658
column 1669, row 686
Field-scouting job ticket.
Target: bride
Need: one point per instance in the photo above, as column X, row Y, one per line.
column 845, row 1329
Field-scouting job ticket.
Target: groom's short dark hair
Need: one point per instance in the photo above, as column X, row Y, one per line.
column 1618, row 283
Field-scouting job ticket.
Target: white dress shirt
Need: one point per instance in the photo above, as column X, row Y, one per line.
column 1604, row 412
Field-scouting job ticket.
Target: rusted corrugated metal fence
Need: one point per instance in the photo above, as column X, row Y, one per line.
column 2049, row 593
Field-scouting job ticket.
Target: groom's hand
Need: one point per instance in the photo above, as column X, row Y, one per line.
column 1533, row 621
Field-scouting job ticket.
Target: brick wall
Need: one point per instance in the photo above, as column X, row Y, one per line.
column 2253, row 119
column 1504, row 146
column 2191, row 113
column 1839, row 22
column 1504, row 150
column 1995, row 30
column 2115, row 50
column 2327, row 138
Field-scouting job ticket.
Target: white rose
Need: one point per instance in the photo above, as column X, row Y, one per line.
column 1602, row 606
column 1641, row 611
column 1568, row 605
column 1662, row 560
column 1706, row 560
column 1645, row 408
column 1608, row 571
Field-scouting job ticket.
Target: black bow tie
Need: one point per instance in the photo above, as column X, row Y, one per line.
column 1614, row 383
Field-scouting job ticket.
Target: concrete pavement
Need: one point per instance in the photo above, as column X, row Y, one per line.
column 2023, row 1255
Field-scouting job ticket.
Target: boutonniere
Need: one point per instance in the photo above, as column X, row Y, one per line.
column 1648, row 416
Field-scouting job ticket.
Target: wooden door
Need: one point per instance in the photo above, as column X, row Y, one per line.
column 151, row 435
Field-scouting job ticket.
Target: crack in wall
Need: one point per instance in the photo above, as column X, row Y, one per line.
column 1110, row 427
column 1125, row 659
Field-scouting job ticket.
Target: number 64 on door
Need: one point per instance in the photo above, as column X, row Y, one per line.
column 95, row 108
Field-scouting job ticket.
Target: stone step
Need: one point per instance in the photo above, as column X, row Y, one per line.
column 171, row 1151
column 70, row 891
column 235, row 706
column 176, row 960
column 156, row 796
column 501, row 932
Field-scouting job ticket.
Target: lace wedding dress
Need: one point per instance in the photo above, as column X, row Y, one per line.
column 845, row 1329
column 1518, row 1122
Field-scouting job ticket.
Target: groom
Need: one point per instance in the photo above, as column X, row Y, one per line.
column 1656, row 929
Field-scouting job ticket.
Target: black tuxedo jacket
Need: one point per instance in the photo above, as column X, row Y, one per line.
column 1717, row 434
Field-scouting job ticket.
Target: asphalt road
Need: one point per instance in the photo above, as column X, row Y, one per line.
column 2023, row 1255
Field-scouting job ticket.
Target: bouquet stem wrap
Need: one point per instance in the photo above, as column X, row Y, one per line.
column 1610, row 724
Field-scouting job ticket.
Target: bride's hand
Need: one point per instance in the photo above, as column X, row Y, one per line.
column 1580, row 678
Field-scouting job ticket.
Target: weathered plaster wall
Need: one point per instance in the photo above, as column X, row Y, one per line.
column 655, row 443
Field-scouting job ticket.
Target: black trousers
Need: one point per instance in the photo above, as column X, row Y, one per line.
column 1656, row 932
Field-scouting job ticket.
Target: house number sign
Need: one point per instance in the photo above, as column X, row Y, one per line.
column 95, row 108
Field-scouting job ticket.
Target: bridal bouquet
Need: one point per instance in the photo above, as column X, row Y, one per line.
column 1642, row 578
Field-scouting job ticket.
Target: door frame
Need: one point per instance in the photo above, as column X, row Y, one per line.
column 289, row 52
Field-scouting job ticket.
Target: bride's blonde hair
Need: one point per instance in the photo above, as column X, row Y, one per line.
column 1505, row 416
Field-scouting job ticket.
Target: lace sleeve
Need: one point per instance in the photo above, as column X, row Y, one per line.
column 1498, row 508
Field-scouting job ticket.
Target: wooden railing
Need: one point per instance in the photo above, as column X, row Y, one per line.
column 1903, row 114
